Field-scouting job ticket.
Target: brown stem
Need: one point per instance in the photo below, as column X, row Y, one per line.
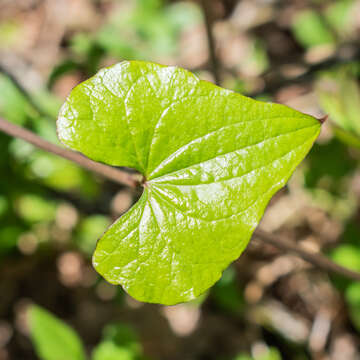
column 274, row 80
column 316, row 259
column 106, row 171
column 208, row 17
column 23, row 91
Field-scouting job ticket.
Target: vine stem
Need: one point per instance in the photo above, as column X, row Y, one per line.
column 23, row 91
column 111, row 173
column 208, row 19
column 124, row 178
column 316, row 259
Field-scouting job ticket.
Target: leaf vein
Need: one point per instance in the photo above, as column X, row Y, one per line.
column 156, row 180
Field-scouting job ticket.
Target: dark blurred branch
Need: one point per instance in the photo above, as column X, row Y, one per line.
column 315, row 259
column 106, row 171
column 274, row 80
column 208, row 18
column 23, row 91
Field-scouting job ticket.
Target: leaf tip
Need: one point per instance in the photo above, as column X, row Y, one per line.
column 323, row 119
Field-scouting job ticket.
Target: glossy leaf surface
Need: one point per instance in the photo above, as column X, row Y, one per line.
column 212, row 160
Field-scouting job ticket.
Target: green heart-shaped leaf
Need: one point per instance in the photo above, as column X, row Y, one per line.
column 212, row 159
column 53, row 339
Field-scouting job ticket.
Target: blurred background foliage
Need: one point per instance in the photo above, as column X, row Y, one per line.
column 268, row 305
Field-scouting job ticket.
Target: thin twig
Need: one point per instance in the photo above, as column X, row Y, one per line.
column 208, row 17
column 23, row 91
column 106, row 171
column 271, row 85
column 316, row 259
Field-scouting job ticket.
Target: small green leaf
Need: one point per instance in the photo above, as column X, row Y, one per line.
column 52, row 338
column 341, row 16
column 271, row 353
column 311, row 29
column 212, row 159
column 119, row 343
column 89, row 231
column 9, row 236
column 227, row 294
column 109, row 351
column 13, row 105
column 348, row 256
column 33, row 208
column 339, row 95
